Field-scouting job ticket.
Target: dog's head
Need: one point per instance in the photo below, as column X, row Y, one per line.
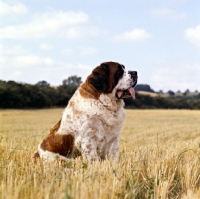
column 112, row 76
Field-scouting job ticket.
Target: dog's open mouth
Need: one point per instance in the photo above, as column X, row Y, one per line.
column 130, row 92
column 126, row 93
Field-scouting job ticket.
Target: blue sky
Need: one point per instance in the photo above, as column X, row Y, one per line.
column 52, row 40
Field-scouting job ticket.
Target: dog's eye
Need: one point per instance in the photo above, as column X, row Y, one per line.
column 120, row 72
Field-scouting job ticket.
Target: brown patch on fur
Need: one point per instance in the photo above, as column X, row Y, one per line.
column 88, row 91
column 73, row 109
column 71, row 104
column 68, row 116
column 36, row 156
column 113, row 68
column 89, row 147
column 76, row 112
column 61, row 144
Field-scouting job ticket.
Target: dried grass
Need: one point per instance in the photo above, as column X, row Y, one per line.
column 159, row 158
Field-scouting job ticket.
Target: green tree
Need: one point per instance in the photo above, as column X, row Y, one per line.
column 43, row 83
column 71, row 84
column 72, row 81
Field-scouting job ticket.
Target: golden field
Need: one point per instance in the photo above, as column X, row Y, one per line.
column 159, row 158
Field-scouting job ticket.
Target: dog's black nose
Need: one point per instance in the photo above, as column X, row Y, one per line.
column 132, row 73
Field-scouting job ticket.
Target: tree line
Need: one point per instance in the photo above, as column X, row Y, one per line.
column 42, row 95
column 160, row 102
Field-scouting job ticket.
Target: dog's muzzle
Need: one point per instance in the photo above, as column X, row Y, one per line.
column 130, row 92
column 134, row 76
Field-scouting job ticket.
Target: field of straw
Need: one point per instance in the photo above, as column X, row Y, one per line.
column 159, row 158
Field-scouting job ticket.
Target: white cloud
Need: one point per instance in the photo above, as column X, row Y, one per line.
column 16, row 9
column 132, row 36
column 49, row 23
column 167, row 13
column 2, row 61
column 68, row 51
column 31, row 60
column 46, row 46
column 23, row 66
column 83, row 51
column 7, row 53
column 193, row 35
column 81, row 32
column 176, row 77
column 11, row 50
column 16, row 56
column 17, row 74
column 83, row 70
column 87, row 51
column 54, row 74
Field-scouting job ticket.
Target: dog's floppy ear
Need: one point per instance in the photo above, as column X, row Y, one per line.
column 99, row 77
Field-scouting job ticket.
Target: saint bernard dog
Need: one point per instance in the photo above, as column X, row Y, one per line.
column 92, row 121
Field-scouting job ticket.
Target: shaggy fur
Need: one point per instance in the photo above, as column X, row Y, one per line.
column 92, row 121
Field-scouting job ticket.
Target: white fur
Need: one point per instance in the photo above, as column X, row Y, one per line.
column 125, row 82
column 95, row 124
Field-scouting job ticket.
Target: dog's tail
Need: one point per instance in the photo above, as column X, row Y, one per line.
column 36, row 157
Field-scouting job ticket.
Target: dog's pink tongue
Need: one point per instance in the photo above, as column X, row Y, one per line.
column 132, row 92
column 119, row 94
